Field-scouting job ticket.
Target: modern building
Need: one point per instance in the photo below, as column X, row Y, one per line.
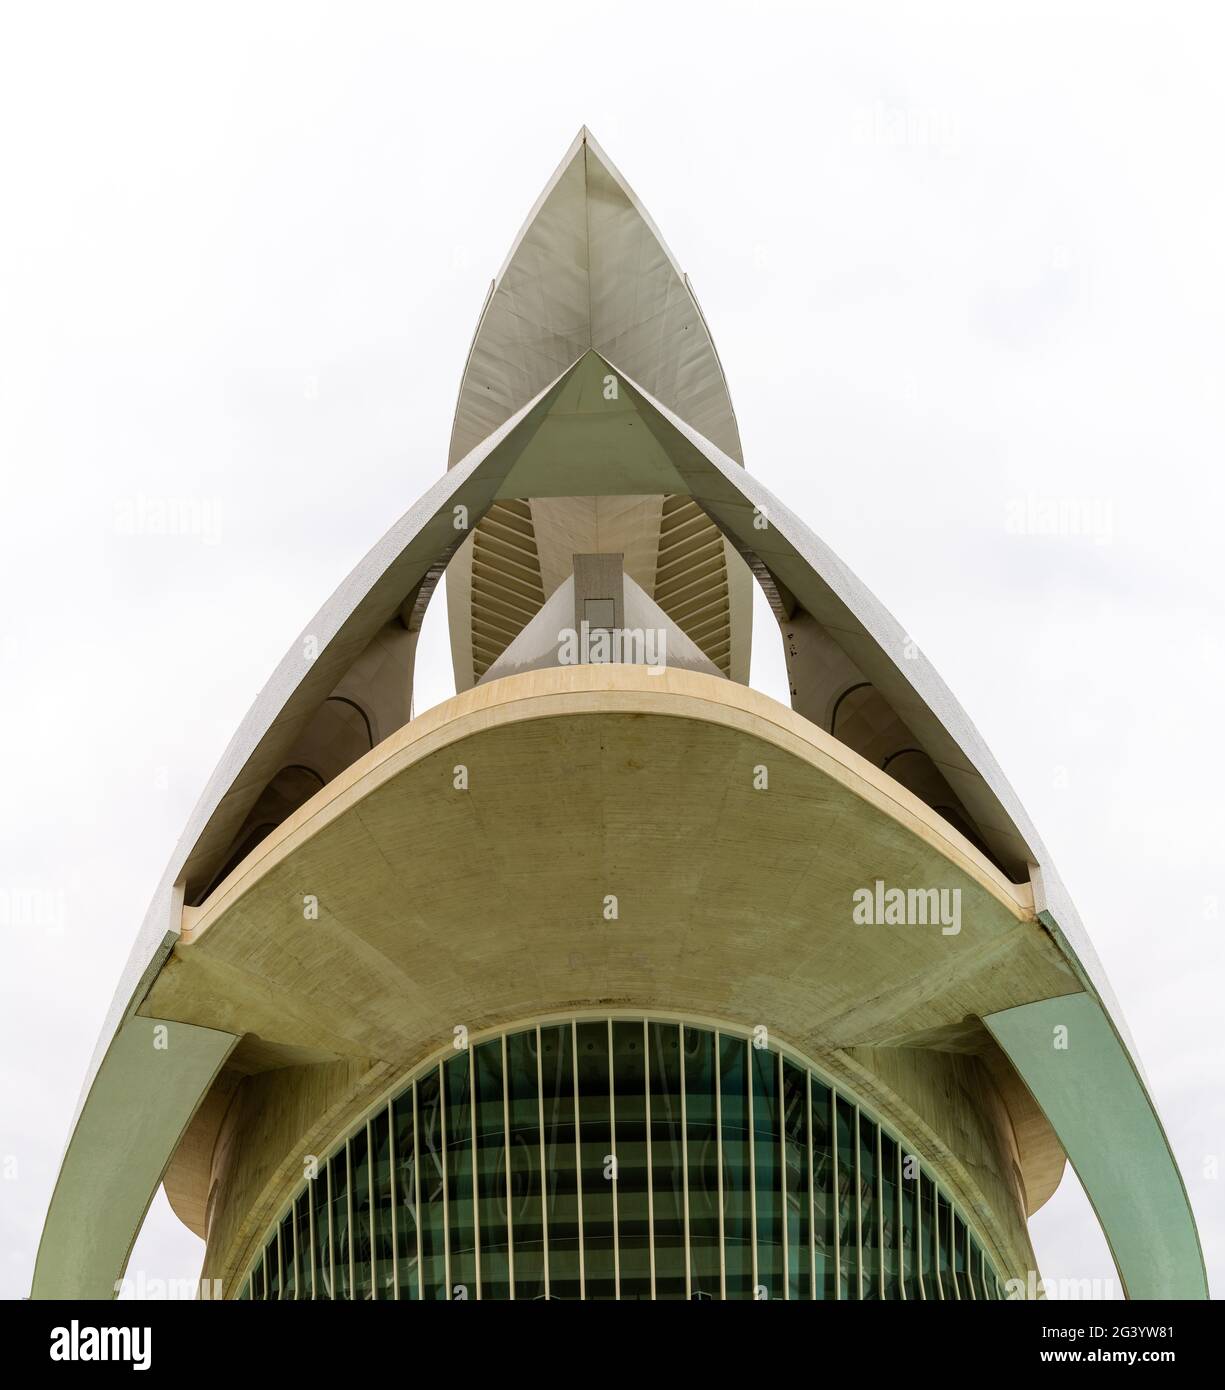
column 610, row 977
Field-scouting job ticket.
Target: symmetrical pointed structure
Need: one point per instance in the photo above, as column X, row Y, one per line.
column 806, row 974
column 590, row 272
column 589, row 278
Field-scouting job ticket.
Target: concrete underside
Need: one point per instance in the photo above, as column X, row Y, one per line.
column 439, row 906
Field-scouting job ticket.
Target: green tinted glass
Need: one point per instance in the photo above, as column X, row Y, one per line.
column 620, row 1159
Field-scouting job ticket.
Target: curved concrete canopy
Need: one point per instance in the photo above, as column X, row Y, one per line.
column 732, row 901
column 639, row 445
column 584, row 780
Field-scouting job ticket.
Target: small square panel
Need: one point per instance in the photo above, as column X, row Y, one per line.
column 599, row 612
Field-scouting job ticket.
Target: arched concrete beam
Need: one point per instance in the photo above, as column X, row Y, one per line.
column 151, row 1080
column 1084, row 1080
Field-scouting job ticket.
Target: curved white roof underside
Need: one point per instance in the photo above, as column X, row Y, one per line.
column 589, row 270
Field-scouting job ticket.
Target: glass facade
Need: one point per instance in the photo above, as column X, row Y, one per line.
column 621, row 1158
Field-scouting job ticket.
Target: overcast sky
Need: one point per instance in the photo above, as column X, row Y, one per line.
column 963, row 264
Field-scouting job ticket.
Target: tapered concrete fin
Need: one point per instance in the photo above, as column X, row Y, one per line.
column 589, row 269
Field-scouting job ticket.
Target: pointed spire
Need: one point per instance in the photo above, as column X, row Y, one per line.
column 590, row 270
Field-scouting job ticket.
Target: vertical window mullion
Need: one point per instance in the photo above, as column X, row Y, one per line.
column 879, row 1184
column 855, row 1145
column 370, row 1214
column 936, row 1240
column 812, row 1196
column 578, row 1161
column 331, row 1239
column 646, row 1093
column 836, row 1195
column 685, row 1165
column 417, row 1197
column 393, row 1159
column 446, row 1194
column 476, row 1196
column 953, row 1278
column 918, row 1232
column 544, row 1185
column 784, row 1203
column 510, row 1205
column 899, row 1219
column 719, row 1154
column 922, row 1283
column 751, row 1120
column 310, row 1218
column 612, row 1124
column 349, row 1209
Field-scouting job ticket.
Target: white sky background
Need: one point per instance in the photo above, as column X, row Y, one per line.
column 953, row 257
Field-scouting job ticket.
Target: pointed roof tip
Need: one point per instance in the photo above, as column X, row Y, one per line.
column 575, row 151
column 585, row 140
column 581, row 143
column 576, row 283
